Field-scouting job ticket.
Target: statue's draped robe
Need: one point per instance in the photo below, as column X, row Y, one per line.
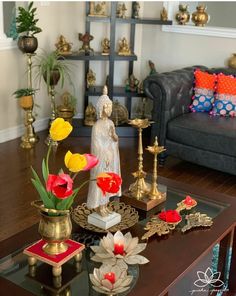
column 107, row 151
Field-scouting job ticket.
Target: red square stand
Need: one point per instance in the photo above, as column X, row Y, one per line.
column 35, row 252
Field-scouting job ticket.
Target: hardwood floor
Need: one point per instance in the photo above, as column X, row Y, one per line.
column 17, row 191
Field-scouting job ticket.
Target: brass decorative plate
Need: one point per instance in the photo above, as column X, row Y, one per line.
column 129, row 217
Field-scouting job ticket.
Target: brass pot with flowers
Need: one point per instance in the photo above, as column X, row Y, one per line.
column 57, row 193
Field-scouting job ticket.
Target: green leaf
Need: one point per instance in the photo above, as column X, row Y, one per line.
column 66, row 204
column 43, row 194
column 44, row 171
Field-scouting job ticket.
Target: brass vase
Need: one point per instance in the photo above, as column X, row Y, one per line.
column 55, row 230
column 200, row 17
column 182, row 15
column 232, row 61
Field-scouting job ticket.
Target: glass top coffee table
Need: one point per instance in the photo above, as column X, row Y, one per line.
column 171, row 257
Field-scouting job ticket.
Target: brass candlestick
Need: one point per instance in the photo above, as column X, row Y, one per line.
column 154, row 193
column 139, row 188
column 29, row 138
column 53, row 114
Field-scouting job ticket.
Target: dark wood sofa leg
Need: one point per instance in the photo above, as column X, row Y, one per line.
column 161, row 160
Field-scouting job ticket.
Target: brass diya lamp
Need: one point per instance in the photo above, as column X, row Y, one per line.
column 154, row 193
column 139, row 188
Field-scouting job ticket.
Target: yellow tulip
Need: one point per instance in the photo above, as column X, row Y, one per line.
column 75, row 162
column 60, row 129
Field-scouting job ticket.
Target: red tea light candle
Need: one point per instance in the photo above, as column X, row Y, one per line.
column 189, row 201
column 110, row 276
column 118, row 249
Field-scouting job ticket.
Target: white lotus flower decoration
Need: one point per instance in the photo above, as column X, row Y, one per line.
column 119, row 249
column 110, row 279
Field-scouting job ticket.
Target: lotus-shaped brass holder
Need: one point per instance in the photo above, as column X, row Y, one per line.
column 139, row 188
column 119, row 250
column 110, row 280
column 154, row 193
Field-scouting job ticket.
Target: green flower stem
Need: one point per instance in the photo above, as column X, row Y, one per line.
column 47, row 157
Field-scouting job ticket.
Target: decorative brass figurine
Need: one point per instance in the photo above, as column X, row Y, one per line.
column 90, row 115
column 121, row 10
column 135, row 9
column 86, row 38
column 154, row 193
column 232, row 61
column 124, row 49
column 197, row 220
column 152, row 68
column 131, row 83
column 119, row 113
column 183, row 15
column 98, row 9
column 91, row 78
column 105, row 46
column 200, row 17
column 139, row 188
column 164, row 14
column 62, row 46
column 158, row 227
column 66, row 110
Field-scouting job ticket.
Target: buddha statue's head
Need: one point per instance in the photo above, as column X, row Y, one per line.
column 104, row 105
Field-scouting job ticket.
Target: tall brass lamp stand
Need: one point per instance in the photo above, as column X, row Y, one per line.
column 29, row 139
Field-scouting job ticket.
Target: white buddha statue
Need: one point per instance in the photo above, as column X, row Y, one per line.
column 104, row 144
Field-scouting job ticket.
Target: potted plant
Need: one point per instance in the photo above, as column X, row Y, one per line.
column 26, row 24
column 26, row 97
column 53, row 68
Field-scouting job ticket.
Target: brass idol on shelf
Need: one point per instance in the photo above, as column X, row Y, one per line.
column 200, row 17
column 66, row 110
column 91, row 78
column 124, row 49
column 119, row 113
column 182, row 16
column 90, row 115
column 97, row 9
column 105, row 46
column 63, row 47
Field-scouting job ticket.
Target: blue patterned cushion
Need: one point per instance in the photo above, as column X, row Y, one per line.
column 202, row 100
column 224, row 108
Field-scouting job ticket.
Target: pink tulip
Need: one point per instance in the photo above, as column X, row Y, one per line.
column 92, row 161
column 60, row 185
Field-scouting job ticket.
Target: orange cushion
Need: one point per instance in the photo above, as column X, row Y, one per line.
column 205, row 80
column 226, row 84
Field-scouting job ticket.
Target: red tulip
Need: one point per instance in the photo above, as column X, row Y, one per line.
column 109, row 182
column 60, row 185
column 92, row 161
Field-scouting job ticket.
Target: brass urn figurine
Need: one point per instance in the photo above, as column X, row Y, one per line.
column 182, row 16
column 200, row 17
column 232, row 61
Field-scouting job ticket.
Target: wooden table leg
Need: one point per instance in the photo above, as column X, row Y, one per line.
column 232, row 272
column 223, row 255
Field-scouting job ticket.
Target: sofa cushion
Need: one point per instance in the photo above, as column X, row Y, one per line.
column 204, row 87
column 225, row 92
column 212, row 133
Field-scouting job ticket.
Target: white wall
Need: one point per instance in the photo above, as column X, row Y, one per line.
column 173, row 50
column 167, row 50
